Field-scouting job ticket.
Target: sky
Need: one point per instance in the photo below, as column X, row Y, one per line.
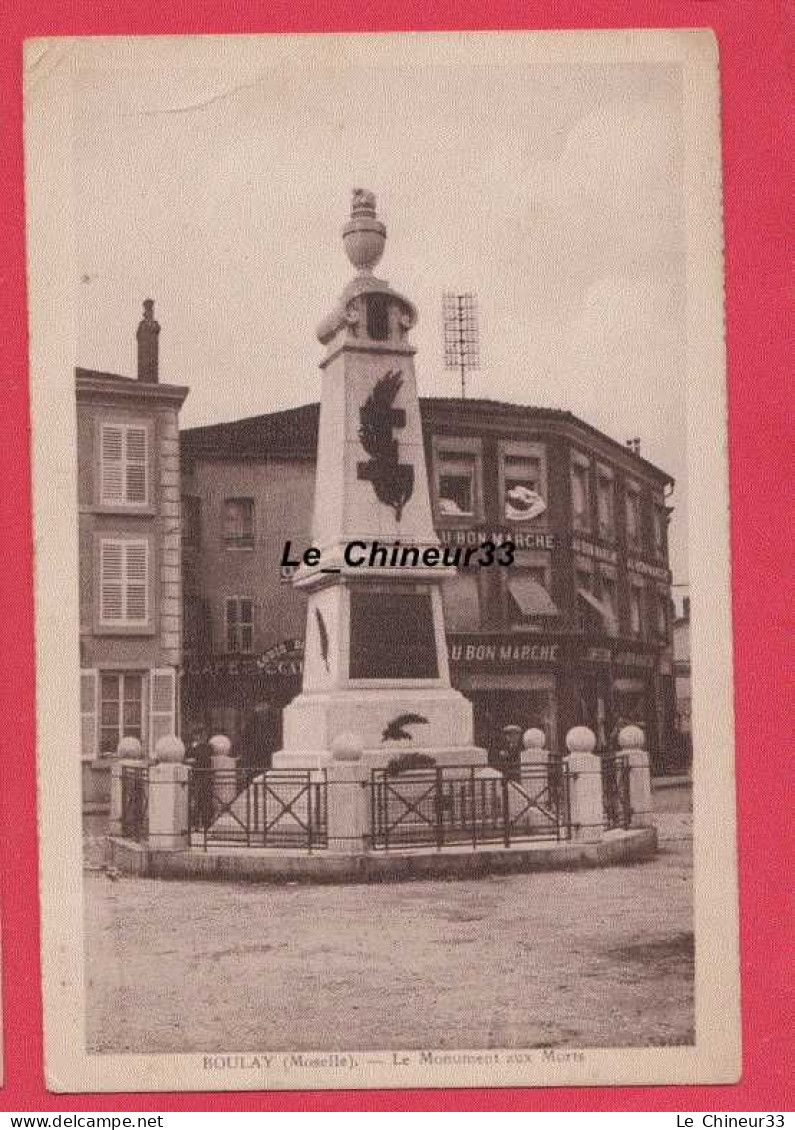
column 215, row 177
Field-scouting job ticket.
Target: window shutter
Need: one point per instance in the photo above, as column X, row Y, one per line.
column 136, row 465
column 137, row 578
column 112, row 459
column 89, row 682
column 162, row 705
column 111, row 570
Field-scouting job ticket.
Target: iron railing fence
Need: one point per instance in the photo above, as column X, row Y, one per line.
column 615, row 791
column 135, row 802
column 455, row 805
column 248, row 808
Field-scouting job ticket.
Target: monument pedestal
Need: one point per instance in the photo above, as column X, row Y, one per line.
column 375, row 655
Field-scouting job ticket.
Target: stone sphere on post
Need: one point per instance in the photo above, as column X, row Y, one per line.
column 220, row 745
column 631, row 737
column 129, row 748
column 347, row 747
column 580, row 740
column 533, row 738
column 169, row 750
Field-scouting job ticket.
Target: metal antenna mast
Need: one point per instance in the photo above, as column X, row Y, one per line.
column 461, row 336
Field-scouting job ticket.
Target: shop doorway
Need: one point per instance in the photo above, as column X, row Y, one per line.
column 494, row 709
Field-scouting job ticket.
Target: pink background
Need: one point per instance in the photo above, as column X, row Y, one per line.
column 755, row 94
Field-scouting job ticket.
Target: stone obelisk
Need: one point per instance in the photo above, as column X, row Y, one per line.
column 375, row 659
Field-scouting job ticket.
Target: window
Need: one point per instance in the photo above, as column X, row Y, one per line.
column 457, row 479
column 632, row 502
column 124, row 470
column 191, row 519
column 605, row 501
column 124, row 582
column 120, row 709
column 636, row 610
column 581, row 496
column 239, row 522
column 661, row 611
column 461, row 602
column 660, row 527
column 377, row 317
column 240, row 624
column 523, row 488
column 609, row 600
column 589, row 610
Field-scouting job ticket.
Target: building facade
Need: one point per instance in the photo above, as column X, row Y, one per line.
column 130, row 563
column 681, row 659
column 576, row 631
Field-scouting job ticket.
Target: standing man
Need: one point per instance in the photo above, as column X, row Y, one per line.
column 200, row 758
column 509, row 758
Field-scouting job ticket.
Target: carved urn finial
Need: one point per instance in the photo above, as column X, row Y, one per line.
column 364, row 235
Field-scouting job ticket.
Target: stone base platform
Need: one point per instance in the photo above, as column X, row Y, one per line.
column 270, row 865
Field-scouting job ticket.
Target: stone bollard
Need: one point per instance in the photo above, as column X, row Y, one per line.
column 348, row 807
column 169, row 828
column 587, row 811
column 534, row 756
column 224, row 783
column 128, row 752
column 630, row 741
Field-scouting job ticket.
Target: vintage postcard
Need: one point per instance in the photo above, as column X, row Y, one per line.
column 381, row 548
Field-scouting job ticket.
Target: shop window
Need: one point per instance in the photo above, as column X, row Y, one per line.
column 457, row 479
column 191, row 519
column 124, row 582
column 120, row 709
column 523, row 488
column 636, row 610
column 240, row 624
column 239, row 523
column 528, row 597
column 605, row 500
column 124, row 459
column 581, row 496
column 633, row 521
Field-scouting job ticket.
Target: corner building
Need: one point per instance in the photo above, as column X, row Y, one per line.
column 576, row 631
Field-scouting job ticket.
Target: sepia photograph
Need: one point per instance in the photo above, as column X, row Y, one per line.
column 382, row 575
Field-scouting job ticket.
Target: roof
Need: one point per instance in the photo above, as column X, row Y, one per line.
column 98, row 383
column 293, row 432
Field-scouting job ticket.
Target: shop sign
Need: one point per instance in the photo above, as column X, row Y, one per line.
column 656, row 572
column 635, row 659
column 478, row 652
column 522, row 539
column 591, row 549
column 282, row 659
column 597, row 655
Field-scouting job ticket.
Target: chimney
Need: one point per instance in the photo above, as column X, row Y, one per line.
column 686, row 607
column 146, row 335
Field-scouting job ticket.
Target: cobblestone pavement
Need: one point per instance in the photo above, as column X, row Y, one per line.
column 584, row 958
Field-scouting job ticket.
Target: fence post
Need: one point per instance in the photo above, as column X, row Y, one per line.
column 587, row 811
column 224, row 779
column 534, row 756
column 169, row 828
column 630, row 741
column 128, row 752
column 347, row 807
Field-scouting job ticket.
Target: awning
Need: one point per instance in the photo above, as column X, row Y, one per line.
column 604, row 610
column 531, row 596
